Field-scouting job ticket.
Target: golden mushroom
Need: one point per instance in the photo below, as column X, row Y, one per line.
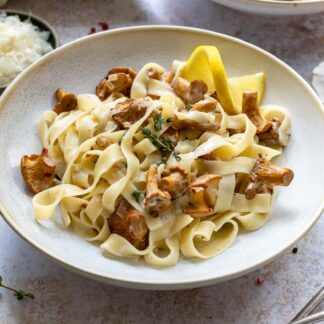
column 175, row 181
column 129, row 223
column 265, row 175
column 251, row 109
column 156, row 200
column 38, row 171
column 203, row 193
column 65, row 101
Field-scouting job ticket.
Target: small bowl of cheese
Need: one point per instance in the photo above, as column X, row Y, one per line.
column 24, row 39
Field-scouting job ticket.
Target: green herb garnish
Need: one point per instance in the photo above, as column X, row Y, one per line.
column 20, row 294
column 137, row 194
column 176, row 156
column 158, row 122
column 162, row 161
column 188, row 107
column 160, row 142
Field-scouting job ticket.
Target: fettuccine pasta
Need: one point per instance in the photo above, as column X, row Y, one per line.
column 160, row 163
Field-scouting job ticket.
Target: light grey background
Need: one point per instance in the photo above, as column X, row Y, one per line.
column 63, row 297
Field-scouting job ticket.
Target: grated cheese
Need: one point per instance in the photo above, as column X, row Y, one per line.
column 21, row 44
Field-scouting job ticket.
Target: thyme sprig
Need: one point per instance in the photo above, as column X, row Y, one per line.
column 137, row 194
column 176, row 156
column 160, row 142
column 20, row 294
column 159, row 121
column 164, row 160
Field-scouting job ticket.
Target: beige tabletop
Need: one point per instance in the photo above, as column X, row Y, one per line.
column 63, row 297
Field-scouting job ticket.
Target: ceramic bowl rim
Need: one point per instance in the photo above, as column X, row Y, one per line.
column 179, row 283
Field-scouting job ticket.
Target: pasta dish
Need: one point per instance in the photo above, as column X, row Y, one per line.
column 161, row 163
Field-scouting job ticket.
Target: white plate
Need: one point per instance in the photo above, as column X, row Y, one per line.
column 78, row 67
column 275, row 7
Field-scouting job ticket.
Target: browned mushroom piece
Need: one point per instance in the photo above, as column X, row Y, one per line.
column 251, row 109
column 65, row 101
column 188, row 123
column 233, row 131
column 128, row 112
column 190, row 92
column 197, row 206
column 102, row 90
column 265, row 175
column 181, row 87
column 123, row 69
column 153, row 73
column 214, row 95
column 210, row 183
column 212, row 156
column 129, row 223
column 168, row 76
column 197, row 91
column 175, row 181
column 102, row 142
column 171, row 134
column 119, row 79
column 272, row 135
column 203, row 192
column 118, row 82
column 206, row 105
column 38, row 171
column 156, row 200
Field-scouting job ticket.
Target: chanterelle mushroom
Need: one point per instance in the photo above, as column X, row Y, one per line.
column 38, row 171
column 175, row 181
column 189, row 123
column 119, row 79
column 156, row 200
column 265, row 175
column 251, row 109
column 203, row 195
column 129, row 223
column 166, row 77
column 210, row 183
column 190, row 92
column 128, row 112
column 206, row 105
column 196, row 92
column 65, row 101
column 197, row 206
column 123, row 69
column 272, row 135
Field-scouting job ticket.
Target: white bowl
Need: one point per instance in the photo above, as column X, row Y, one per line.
column 275, row 7
column 78, row 67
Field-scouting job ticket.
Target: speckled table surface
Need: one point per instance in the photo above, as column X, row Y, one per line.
column 63, row 297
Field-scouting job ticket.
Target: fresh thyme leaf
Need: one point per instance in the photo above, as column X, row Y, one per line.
column 160, row 142
column 176, row 156
column 162, row 161
column 20, row 294
column 137, row 194
column 158, row 121
column 188, row 107
column 169, row 120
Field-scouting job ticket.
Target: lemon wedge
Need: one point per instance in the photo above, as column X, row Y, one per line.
column 252, row 82
column 205, row 63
